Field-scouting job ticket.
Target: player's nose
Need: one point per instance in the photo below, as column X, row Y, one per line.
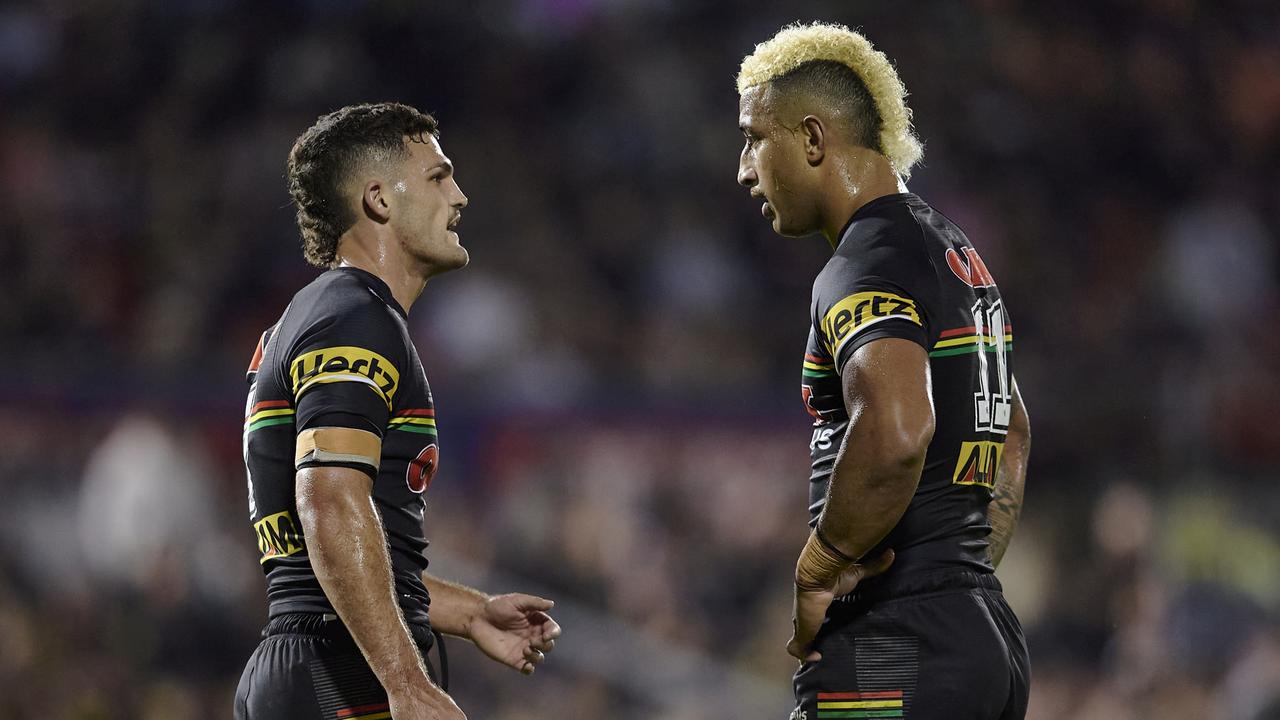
column 747, row 175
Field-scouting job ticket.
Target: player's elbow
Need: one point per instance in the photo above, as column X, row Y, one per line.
column 904, row 445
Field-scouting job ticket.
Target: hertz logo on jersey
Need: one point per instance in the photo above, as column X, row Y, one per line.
column 278, row 536
column 848, row 317
column 344, row 364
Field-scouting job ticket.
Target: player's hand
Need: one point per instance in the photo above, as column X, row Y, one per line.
column 424, row 703
column 516, row 630
column 811, row 605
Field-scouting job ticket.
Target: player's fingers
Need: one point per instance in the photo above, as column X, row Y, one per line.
column 810, row 610
column 550, row 628
column 797, row 651
column 533, row 656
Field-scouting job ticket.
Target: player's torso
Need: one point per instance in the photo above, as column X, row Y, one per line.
column 409, row 458
column 970, row 357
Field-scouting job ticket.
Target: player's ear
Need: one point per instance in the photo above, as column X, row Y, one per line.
column 375, row 201
column 815, row 139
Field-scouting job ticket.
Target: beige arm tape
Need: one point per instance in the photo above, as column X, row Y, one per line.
column 336, row 444
column 820, row 565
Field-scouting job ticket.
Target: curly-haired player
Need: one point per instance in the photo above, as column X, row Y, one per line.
column 340, row 441
column 920, row 437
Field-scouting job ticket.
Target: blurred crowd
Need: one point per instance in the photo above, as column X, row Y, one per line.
column 617, row 371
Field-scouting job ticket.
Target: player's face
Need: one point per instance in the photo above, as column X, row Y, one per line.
column 428, row 206
column 773, row 166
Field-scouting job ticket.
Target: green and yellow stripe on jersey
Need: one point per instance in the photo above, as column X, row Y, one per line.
column 818, row 366
column 268, row 413
column 418, row 420
column 961, row 341
column 883, row 704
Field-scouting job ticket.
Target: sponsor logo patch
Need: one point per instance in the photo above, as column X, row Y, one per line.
column 279, row 535
column 978, row 463
column 851, row 315
column 344, row 364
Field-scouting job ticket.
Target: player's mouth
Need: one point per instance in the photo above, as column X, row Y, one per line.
column 767, row 211
column 453, row 224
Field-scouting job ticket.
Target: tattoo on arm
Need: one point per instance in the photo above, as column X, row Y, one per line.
column 1003, row 513
column 1006, row 500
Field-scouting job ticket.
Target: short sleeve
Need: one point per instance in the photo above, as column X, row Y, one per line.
column 345, row 369
column 882, row 293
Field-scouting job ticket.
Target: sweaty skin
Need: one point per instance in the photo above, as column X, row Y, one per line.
column 348, row 551
column 891, row 422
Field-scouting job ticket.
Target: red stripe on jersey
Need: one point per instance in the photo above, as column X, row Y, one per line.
column 965, row 331
column 418, row 413
column 257, row 356
column 348, row 712
column 883, row 695
column 816, row 359
column 267, row 404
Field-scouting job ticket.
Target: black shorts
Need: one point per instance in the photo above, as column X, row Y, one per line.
column 942, row 644
column 308, row 667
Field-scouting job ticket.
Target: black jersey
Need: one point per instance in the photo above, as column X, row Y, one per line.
column 340, row 356
column 903, row 270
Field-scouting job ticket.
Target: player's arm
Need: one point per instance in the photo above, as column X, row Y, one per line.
column 348, row 550
column 1006, row 500
column 887, row 395
column 513, row 629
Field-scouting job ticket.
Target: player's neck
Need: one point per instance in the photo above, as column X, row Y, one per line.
column 389, row 265
column 860, row 179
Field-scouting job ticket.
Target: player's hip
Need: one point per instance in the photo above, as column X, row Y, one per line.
column 308, row 667
column 952, row 628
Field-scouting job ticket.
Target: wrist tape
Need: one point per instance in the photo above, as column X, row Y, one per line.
column 820, row 564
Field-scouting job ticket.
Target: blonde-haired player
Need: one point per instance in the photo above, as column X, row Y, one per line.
column 920, row 437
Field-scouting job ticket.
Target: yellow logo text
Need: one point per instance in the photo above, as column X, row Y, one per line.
column 859, row 310
column 344, row 364
column 978, row 463
column 279, row 535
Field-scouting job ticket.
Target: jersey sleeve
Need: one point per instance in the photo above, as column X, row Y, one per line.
column 343, row 375
column 885, row 293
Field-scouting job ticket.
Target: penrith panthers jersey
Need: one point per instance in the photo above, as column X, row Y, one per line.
column 903, row 270
column 340, row 356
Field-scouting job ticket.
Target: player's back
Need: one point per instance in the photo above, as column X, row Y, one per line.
column 904, row 270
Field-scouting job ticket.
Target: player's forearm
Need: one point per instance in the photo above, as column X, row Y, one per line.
column 1006, row 500
column 348, row 553
column 453, row 606
column 871, row 487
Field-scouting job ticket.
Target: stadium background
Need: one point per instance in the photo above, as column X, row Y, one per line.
column 616, row 373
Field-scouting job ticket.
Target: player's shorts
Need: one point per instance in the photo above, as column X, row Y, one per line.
column 940, row 644
column 308, row 667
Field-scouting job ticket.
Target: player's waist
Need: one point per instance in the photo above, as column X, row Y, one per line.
column 901, row 583
column 327, row 626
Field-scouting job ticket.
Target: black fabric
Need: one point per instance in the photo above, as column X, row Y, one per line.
column 938, row 646
column 340, row 356
column 903, row 270
column 309, row 668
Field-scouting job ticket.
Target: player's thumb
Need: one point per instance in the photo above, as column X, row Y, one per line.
column 879, row 565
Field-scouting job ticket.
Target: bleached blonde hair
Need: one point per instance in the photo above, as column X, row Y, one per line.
column 797, row 44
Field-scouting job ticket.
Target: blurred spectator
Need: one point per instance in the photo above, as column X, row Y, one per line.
column 616, row 374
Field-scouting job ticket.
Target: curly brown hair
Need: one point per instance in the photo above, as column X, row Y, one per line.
column 323, row 158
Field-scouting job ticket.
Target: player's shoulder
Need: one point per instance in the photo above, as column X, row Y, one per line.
column 343, row 297
column 338, row 291
column 883, row 241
